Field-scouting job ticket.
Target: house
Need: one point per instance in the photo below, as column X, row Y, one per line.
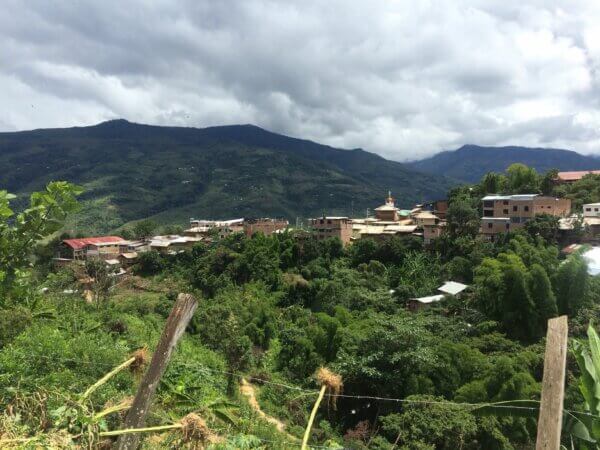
column 381, row 231
column 330, row 226
column 432, row 232
column 591, row 210
column 80, row 249
column 222, row 228
column 504, row 213
column 426, row 218
column 452, row 288
column 437, row 207
column 448, row 289
column 128, row 259
column 172, row 244
column 265, row 226
column 573, row 176
column 415, row 304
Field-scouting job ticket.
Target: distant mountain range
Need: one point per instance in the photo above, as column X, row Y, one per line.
column 132, row 171
column 470, row 162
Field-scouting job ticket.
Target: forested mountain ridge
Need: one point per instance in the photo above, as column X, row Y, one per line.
column 131, row 171
column 470, row 162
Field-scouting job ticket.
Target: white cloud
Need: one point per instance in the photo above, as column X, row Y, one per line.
column 401, row 78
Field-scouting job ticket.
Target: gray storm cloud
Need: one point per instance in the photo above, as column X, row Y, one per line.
column 402, row 78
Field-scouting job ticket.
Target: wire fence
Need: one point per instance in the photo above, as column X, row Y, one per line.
column 203, row 369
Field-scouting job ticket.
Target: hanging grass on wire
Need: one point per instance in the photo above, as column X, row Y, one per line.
column 331, row 383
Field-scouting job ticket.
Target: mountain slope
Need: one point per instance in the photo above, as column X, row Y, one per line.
column 131, row 171
column 471, row 162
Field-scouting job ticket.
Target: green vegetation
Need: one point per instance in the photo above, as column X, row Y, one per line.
column 275, row 310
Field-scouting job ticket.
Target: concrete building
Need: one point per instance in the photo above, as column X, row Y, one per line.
column 503, row 213
column 327, row 227
column 436, row 207
column 432, row 232
column 265, row 226
column 591, row 210
column 222, row 228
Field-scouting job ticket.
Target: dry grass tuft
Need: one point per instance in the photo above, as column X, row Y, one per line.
column 194, row 428
column 333, row 381
column 141, row 361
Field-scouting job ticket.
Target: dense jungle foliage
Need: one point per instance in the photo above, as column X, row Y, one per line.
column 272, row 310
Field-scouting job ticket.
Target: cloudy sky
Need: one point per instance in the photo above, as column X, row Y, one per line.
column 401, row 78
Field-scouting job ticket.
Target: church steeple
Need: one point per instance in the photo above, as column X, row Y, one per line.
column 389, row 200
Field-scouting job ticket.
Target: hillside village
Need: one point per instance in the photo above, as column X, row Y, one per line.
column 501, row 214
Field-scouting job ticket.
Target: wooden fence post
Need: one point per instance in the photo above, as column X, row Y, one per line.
column 182, row 312
column 553, row 385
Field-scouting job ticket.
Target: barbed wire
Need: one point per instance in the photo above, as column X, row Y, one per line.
column 201, row 367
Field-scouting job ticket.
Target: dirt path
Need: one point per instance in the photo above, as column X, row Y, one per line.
column 249, row 392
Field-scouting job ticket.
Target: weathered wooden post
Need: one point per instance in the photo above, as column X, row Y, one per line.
column 180, row 315
column 553, row 385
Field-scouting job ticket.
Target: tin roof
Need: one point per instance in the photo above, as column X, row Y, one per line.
column 77, row 244
column 429, row 299
column 510, row 197
column 452, row 287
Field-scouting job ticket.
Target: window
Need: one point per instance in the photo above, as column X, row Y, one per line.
column 515, row 208
column 488, row 213
column 505, row 211
column 505, row 202
column 526, row 208
column 488, row 204
column 595, row 209
column 322, row 222
column 329, row 222
column 490, row 225
column 588, row 209
column 507, row 226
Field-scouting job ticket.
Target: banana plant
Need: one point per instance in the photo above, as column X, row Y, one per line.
column 580, row 429
column 588, row 360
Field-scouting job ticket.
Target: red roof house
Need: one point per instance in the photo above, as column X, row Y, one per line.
column 98, row 246
column 571, row 177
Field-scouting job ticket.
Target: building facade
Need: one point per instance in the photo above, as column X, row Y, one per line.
column 265, row 226
column 504, row 213
column 327, row 227
column 103, row 247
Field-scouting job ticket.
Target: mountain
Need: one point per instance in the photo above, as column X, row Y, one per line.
column 132, row 171
column 470, row 162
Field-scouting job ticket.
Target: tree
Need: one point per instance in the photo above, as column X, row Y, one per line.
column 144, row 228
column 102, row 276
column 434, row 423
column 519, row 316
column 542, row 296
column 493, row 183
column 462, row 218
column 18, row 234
column 548, row 182
column 543, row 225
column 570, row 285
column 522, row 179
